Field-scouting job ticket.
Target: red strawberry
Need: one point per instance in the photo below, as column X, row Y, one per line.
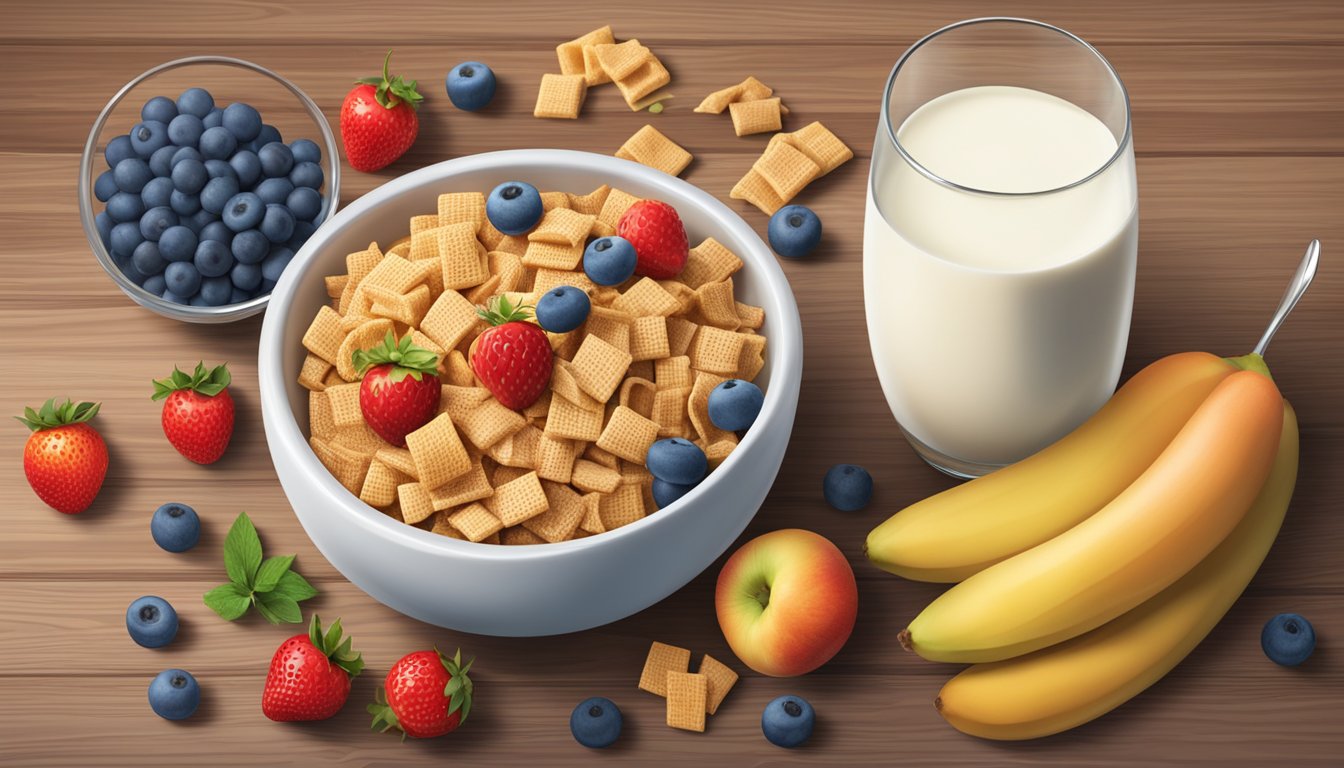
column 65, row 459
column 378, row 122
column 427, row 695
column 512, row 358
column 309, row 678
column 655, row 229
column 197, row 412
column 401, row 388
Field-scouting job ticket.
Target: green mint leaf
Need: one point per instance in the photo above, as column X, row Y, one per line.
column 228, row 600
column 264, row 610
column 272, row 568
column 242, row 552
column 284, row 609
column 220, row 376
column 294, row 586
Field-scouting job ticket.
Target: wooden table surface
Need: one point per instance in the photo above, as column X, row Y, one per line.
column 1239, row 117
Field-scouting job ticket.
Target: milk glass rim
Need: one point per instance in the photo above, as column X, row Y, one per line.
column 1121, row 149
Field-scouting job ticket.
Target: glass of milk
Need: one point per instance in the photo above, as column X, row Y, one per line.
column 1000, row 240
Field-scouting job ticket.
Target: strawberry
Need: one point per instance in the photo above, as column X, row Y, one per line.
column 64, row 459
column 655, row 229
column 378, row 122
column 512, row 358
column 197, row 412
column 427, row 694
column 401, row 389
column 309, row 678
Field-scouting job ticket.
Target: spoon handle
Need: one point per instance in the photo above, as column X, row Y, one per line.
column 1306, row 270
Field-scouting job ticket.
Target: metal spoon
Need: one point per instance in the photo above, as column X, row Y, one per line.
column 1306, row 270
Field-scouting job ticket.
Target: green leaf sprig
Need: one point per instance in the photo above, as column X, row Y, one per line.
column 406, row 359
column 207, row 382
column 267, row 583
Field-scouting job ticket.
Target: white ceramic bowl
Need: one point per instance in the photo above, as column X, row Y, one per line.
column 541, row 589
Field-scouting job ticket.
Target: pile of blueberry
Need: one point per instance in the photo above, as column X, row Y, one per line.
column 206, row 205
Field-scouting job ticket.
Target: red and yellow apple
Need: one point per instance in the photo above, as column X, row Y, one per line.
column 786, row 602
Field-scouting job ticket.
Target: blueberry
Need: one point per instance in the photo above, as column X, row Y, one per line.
column 276, row 159
column 159, row 108
column 216, row 230
column 248, row 167
column 274, row 190
column 302, row 231
column 149, row 137
column 104, row 222
column 174, row 694
column 118, row 149
column 214, row 119
column 847, row 487
column 1288, row 639
column 735, row 404
column 132, row 174
column 159, row 191
column 155, row 221
column 195, row 101
column 184, row 204
column 677, row 460
column 182, row 279
column 125, row 206
column 215, row 291
column 148, row 259
column 514, row 207
column 177, row 243
column 151, row 622
column 596, row 723
column 156, row 285
column 125, row 238
column 218, row 143
column 306, row 174
column 105, row 186
column 562, row 309
column 238, row 296
column 215, row 168
column 213, row 258
column 200, row 220
column 470, row 85
column 794, row 231
column 245, row 277
column 243, row 121
column 277, row 224
column 664, row 493
column 134, row 275
column 184, row 153
column 304, row 202
column 273, row 266
column 197, row 300
column 189, row 176
column 185, row 130
column 250, row 246
column 173, row 297
column 306, row 151
column 609, row 260
column 161, row 162
column 243, row 211
column 269, row 133
column 175, row 527
column 787, row 721
column 217, row 192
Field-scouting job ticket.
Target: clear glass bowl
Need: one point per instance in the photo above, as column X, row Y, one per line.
column 281, row 104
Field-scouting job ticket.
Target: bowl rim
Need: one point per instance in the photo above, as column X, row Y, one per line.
column 184, row 312
column 784, row 361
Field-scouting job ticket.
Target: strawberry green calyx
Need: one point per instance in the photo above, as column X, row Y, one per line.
column 51, row 415
column 384, row 719
column 390, row 90
column 334, row 648
column 501, row 311
column 458, row 689
column 208, row 383
column 406, row 358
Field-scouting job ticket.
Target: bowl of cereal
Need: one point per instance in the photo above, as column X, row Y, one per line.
column 539, row 521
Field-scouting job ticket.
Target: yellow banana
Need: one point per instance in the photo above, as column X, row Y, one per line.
column 961, row 531
column 1059, row 688
column 1149, row 536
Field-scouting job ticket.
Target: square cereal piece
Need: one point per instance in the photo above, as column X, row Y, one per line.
column 672, row 372
column 592, row 477
column 599, row 367
column 716, row 305
column 344, row 402
column 553, row 199
column 367, row 335
column 593, row 73
column 481, row 294
column 786, row 169
column 650, row 147
column 518, row 536
column 560, row 96
column 555, row 458
column 359, row 438
column 393, row 273
column 488, row 423
column 716, row 350
column 753, row 349
column 750, row 89
column 461, row 256
column 406, row 308
column 323, row 337
column 564, row 384
column 661, row 660
column 472, row 486
column 312, row 373
column 760, row 116
column 640, row 369
column 569, row 421
column 544, row 279
column 552, row 256
column 456, row 370
column 357, row 266
column 648, row 338
column 506, row 474
column 749, row 316
column 438, row 452
column 615, row 206
column 518, row 449
column 462, row 208
column 560, row 521
column 592, row 520
column 622, row 506
column 445, row 528
column 687, row 695
column 609, row 325
column 600, row 457
column 697, row 410
column 680, row 334
column 592, row 202
column 449, row 319
column 719, row 450
column 399, row 459
column 682, row 293
column 640, row 88
column 562, row 226
column 514, row 244
column 756, row 190
column 415, row 502
column 646, row 298
column 619, row 60
column 422, row 222
column 570, row 53
column 669, row 411
column 518, row 500
column 333, row 379
column 507, row 266
column 628, row 435
column 380, row 485
column 335, row 285
column 489, row 236
column 475, row 522
column 320, row 421
column 425, row 242
column 346, row 465
column 818, row 143
column 719, row 680
column 637, row 394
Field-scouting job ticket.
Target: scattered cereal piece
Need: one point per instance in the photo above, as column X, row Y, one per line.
column 661, row 660
column 719, row 680
column 686, row 697
column 650, row 147
column 571, row 54
column 819, row 144
column 560, row 96
column 750, row 89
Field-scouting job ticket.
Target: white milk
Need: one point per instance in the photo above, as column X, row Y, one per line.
column 999, row 323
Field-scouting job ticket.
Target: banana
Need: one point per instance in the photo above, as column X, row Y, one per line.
column 961, row 531
column 1145, row 539
column 1059, row 688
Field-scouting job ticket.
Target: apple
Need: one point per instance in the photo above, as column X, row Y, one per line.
column 786, row 602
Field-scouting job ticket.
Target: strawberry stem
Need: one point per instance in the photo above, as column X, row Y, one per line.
column 208, row 383
column 389, row 90
column 51, row 415
column 501, row 311
column 406, row 358
column 334, row 647
column 459, row 687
